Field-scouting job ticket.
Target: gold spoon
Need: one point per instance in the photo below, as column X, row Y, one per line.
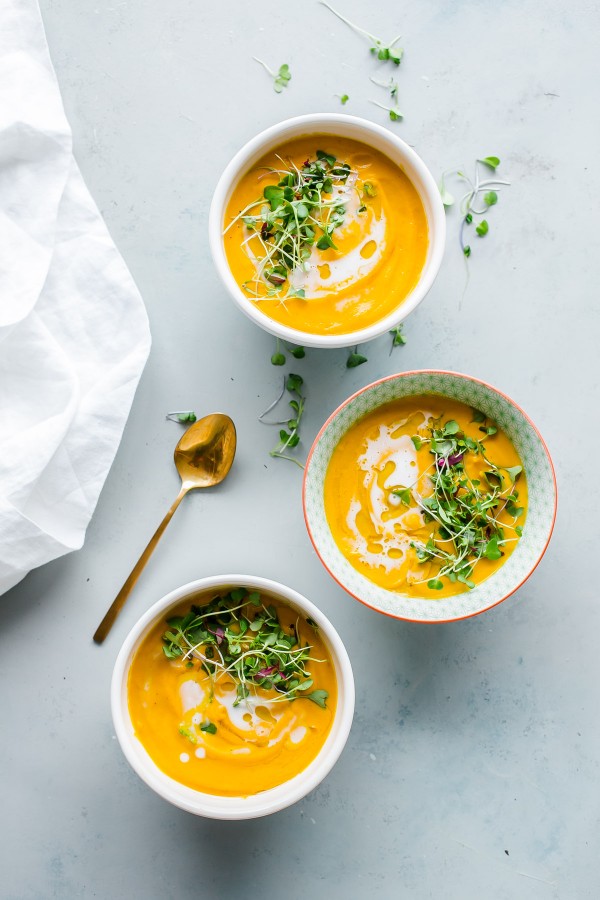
column 203, row 457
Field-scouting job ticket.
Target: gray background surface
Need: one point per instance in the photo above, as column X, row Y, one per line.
column 472, row 766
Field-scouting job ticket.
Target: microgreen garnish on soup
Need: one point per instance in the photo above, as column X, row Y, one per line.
column 464, row 510
column 238, row 638
column 301, row 211
column 378, row 47
column 425, row 496
column 281, row 78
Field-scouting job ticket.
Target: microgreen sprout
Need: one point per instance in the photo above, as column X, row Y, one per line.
column 355, row 359
column 289, row 437
column 297, row 214
column 343, row 98
column 378, row 47
column 463, row 510
column 280, row 78
column 478, row 191
column 185, row 416
column 393, row 112
column 398, row 339
column 391, row 86
column 209, row 728
column 239, row 637
column 369, row 190
column 492, row 162
column 447, row 198
column 278, row 358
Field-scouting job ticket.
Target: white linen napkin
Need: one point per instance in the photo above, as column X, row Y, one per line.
column 74, row 333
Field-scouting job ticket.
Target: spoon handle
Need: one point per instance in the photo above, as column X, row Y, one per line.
column 119, row 601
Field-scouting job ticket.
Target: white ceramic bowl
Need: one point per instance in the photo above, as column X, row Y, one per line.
column 210, row 805
column 340, row 126
column 541, row 484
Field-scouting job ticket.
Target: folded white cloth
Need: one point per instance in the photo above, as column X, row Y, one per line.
column 74, row 334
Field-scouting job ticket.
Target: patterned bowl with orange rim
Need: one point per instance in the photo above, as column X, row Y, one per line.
column 537, row 464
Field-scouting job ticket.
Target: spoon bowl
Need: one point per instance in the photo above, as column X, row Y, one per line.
column 203, row 458
column 205, row 453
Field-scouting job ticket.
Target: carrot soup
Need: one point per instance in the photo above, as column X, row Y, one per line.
column 426, row 496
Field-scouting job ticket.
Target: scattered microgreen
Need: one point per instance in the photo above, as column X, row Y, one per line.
column 278, row 358
column 391, row 86
column 477, row 192
column 298, row 213
column 464, row 511
column 355, row 359
column 289, row 437
column 280, row 78
column 239, row 637
column 343, row 98
column 393, row 112
column 378, row 47
column 492, row 162
column 398, row 339
column 185, row 416
column 447, row 197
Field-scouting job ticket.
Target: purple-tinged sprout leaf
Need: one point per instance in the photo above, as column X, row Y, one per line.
column 264, row 673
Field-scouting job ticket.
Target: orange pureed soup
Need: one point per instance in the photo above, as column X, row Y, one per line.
column 326, row 235
column 232, row 694
column 425, row 496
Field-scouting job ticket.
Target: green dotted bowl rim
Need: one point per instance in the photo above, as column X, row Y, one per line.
column 541, row 482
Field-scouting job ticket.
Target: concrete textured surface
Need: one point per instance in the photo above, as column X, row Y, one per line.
column 472, row 769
